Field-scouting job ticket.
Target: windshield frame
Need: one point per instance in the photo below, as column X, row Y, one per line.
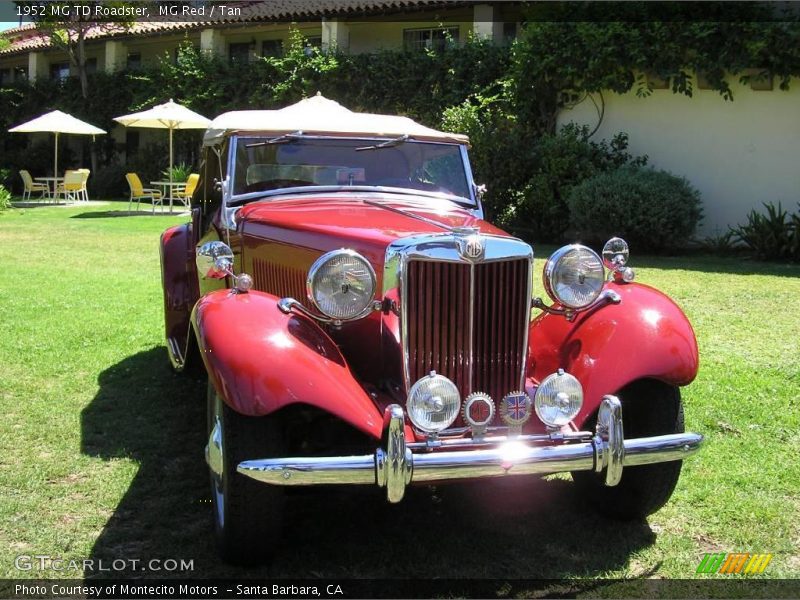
column 232, row 201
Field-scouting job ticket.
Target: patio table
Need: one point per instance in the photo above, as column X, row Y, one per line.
column 52, row 184
column 171, row 186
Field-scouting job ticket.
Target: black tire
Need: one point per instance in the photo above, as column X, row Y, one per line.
column 649, row 408
column 248, row 515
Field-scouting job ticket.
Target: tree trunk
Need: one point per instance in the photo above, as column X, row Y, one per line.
column 85, row 90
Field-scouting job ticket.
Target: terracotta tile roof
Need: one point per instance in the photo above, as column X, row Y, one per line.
column 27, row 38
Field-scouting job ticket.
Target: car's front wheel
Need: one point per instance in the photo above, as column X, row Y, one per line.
column 649, row 408
column 247, row 514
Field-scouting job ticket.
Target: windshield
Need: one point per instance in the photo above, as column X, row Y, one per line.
column 290, row 161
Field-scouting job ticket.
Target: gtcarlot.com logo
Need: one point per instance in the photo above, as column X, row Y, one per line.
column 734, row 563
column 43, row 562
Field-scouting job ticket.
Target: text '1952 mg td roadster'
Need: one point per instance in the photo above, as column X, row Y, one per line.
column 360, row 323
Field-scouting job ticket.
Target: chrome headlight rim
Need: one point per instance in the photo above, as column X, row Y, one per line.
column 411, row 408
column 566, row 379
column 549, row 271
column 321, row 262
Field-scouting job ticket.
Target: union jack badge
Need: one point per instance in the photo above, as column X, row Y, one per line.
column 515, row 409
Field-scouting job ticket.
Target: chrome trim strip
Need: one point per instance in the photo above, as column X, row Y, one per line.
column 471, row 338
column 525, row 334
column 394, row 465
column 478, row 209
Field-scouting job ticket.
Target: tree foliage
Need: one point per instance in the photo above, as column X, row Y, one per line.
column 568, row 50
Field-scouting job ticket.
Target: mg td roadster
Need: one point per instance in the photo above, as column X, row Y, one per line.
column 360, row 323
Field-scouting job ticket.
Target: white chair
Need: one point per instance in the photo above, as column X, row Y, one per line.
column 32, row 186
column 84, row 192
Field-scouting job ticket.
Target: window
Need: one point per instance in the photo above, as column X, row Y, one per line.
column 312, row 41
column 420, row 166
column 272, row 48
column 134, row 62
column 20, row 73
column 91, row 65
column 429, row 39
column 509, row 32
column 59, row 71
column 239, row 53
column 5, row 76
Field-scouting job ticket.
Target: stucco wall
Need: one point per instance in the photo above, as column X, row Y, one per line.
column 737, row 154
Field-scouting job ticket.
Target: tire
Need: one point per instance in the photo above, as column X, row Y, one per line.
column 649, row 408
column 247, row 514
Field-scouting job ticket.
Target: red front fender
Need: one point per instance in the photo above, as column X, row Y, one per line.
column 260, row 360
column 645, row 336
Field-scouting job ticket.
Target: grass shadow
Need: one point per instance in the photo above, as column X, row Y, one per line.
column 510, row 528
column 106, row 214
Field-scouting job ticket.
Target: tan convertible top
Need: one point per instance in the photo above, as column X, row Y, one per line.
column 318, row 115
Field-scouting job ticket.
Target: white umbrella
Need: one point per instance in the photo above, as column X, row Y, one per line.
column 169, row 115
column 57, row 122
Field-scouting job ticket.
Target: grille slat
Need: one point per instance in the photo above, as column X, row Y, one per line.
column 279, row 280
column 439, row 328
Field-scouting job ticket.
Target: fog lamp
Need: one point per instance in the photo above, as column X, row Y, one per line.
column 558, row 399
column 433, row 403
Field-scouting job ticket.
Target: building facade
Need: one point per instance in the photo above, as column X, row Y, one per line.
column 262, row 28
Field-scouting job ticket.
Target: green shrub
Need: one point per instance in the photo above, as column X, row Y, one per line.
column 5, row 198
column 723, row 244
column 539, row 210
column 653, row 210
column 794, row 240
column 501, row 154
column 180, row 172
column 772, row 236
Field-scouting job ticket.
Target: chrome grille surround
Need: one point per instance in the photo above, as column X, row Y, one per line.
column 448, row 248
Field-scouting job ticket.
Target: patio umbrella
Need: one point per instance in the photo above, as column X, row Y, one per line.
column 57, row 122
column 169, row 115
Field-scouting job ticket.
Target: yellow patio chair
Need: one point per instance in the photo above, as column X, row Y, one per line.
column 185, row 195
column 138, row 192
column 72, row 185
column 32, row 186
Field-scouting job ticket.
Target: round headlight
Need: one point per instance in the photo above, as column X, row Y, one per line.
column 433, row 403
column 341, row 284
column 574, row 276
column 558, row 399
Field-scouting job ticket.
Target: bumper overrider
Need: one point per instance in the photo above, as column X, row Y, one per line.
column 396, row 464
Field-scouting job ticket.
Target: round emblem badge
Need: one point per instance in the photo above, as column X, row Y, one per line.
column 478, row 410
column 516, row 408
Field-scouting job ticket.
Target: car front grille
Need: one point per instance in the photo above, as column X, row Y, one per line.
column 468, row 323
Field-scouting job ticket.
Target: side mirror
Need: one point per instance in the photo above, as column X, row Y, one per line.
column 214, row 260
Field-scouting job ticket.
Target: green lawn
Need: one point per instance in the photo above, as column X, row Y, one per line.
column 101, row 445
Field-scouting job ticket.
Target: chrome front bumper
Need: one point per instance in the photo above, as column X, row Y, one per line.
column 394, row 465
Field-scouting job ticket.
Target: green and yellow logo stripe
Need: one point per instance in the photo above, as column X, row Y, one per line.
column 734, row 563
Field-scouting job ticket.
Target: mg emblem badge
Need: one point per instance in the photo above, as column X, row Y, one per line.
column 472, row 247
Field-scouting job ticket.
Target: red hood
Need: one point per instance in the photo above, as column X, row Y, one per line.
column 327, row 222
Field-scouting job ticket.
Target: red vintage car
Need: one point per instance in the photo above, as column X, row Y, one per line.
column 361, row 323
